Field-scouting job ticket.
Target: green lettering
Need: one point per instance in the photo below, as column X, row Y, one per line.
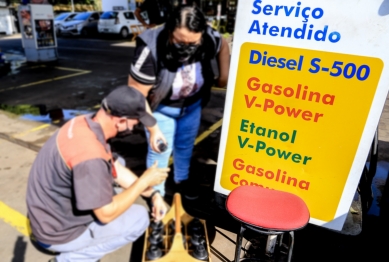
column 283, row 154
column 306, row 159
column 244, row 125
column 296, row 158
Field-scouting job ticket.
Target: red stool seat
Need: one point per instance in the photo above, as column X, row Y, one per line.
column 267, row 208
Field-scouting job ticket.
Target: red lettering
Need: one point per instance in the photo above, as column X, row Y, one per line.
column 238, row 164
column 232, row 179
column 293, row 112
column 251, row 102
column 255, row 86
column 268, row 104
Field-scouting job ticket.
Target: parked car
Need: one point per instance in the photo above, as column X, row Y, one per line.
column 118, row 22
column 5, row 67
column 62, row 18
column 84, row 24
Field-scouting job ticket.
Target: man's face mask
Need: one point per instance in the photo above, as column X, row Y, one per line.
column 124, row 133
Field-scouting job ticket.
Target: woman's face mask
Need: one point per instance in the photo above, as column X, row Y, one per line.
column 184, row 52
column 184, row 44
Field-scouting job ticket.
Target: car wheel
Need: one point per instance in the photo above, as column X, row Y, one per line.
column 124, row 32
column 84, row 32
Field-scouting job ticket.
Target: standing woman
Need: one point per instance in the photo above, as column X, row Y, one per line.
column 175, row 66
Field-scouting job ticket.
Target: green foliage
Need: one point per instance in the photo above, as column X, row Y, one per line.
column 20, row 109
column 63, row 2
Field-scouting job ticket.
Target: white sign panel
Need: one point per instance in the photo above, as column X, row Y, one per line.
column 306, row 89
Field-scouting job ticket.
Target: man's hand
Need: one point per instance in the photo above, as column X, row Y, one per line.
column 155, row 136
column 159, row 207
column 154, row 175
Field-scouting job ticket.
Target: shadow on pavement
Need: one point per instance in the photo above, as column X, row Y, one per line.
column 19, row 250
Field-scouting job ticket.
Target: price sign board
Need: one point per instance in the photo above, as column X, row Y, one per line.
column 307, row 86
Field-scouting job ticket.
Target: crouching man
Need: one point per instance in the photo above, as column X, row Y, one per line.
column 71, row 203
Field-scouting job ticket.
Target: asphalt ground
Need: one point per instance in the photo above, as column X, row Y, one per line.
column 89, row 68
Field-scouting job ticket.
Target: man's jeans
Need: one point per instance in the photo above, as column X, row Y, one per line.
column 180, row 128
column 99, row 240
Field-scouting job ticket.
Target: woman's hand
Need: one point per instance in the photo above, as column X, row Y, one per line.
column 155, row 136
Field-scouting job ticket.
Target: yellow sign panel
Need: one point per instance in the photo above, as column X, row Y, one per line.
column 297, row 119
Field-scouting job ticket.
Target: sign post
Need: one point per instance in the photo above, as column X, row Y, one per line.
column 306, row 89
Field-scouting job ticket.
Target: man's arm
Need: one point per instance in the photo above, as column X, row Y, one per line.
column 122, row 201
column 145, row 6
column 125, row 178
column 140, row 18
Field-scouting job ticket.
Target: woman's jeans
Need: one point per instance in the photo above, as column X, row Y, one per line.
column 180, row 128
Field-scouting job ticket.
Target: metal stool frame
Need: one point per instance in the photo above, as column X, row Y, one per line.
column 266, row 231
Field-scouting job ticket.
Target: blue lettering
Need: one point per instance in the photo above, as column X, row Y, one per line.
column 305, row 15
column 264, row 58
column 334, row 37
column 261, row 59
column 255, row 27
column 323, row 34
column 303, row 32
column 316, row 66
column 252, row 57
column 281, row 63
column 300, row 33
column 288, row 30
column 267, row 10
column 298, row 9
column 288, row 12
column 278, row 8
column 264, row 27
column 271, row 61
column 317, row 16
column 300, row 65
column 274, row 31
column 310, row 32
column 256, row 5
column 291, row 64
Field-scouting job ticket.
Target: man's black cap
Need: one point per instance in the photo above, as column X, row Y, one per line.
column 128, row 102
